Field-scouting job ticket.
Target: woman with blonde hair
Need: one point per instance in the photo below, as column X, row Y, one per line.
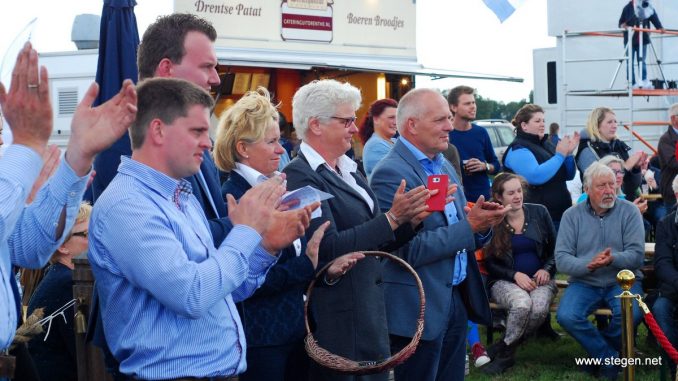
column 248, row 146
column 601, row 140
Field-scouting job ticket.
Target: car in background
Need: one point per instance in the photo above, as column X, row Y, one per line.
column 501, row 134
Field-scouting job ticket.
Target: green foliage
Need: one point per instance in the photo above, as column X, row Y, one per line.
column 543, row 359
column 491, row 109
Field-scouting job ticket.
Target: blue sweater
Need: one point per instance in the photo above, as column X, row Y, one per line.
column 475, row 143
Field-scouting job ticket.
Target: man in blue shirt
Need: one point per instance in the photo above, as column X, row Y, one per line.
column 30, row 234
column 473, row 143
column 166, row 292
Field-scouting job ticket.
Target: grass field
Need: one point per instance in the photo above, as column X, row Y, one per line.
column 543, row 359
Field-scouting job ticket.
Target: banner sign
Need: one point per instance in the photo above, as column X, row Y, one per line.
column 376, row 28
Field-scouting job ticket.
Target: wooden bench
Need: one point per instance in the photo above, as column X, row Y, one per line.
column 561, row 284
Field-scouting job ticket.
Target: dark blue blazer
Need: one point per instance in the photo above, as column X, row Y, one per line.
column 274, row 314
column 432, row 253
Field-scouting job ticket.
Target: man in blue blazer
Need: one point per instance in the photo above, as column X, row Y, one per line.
column 442, row 252
column 177, row 46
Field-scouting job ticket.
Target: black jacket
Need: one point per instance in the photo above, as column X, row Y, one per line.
column 628, row 17
column 632, row 178
column 538, row 227
column 553, row 194
column 666, row 257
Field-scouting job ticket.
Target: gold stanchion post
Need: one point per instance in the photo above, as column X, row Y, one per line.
column 626, row 278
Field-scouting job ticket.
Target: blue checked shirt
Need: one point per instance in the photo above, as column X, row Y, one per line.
column 167, row 294
column 435, row 167
column 28, row 233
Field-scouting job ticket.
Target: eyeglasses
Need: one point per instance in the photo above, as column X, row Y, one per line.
column 347, row 121
column 83, row 234
column 619, row 172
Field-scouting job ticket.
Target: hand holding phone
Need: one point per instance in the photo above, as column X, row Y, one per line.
column 437, row 202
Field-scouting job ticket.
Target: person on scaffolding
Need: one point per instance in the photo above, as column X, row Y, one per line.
column 639, row 14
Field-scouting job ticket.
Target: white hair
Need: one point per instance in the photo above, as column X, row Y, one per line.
column 410, row 106
column 674, row 184
column 609, row 159
column 596, row 170
column 321, row 99
column 673, row 110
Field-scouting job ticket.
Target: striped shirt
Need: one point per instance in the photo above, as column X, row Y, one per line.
column 28, row 233
column 167, row 294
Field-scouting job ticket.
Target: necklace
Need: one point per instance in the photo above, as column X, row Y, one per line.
column 517, row 224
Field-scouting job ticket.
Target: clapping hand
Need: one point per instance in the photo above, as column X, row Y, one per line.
column 602, row 259
column 27, row 105
column 93, row 129
column 484, row 214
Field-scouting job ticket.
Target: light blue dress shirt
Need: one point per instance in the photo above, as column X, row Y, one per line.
column 28, row 233
column 167, row 294
column 435, row 167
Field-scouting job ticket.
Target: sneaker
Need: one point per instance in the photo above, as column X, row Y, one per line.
column 480, row 356
column 467, row 369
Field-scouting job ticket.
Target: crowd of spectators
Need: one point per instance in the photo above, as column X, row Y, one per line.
column 203, row 278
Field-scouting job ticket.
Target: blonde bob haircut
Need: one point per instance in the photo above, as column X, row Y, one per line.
column 595, row 119
column 247, row 120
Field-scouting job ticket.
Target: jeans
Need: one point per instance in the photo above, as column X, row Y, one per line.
column 577, row 304
column 664, row 311
column 636, row 60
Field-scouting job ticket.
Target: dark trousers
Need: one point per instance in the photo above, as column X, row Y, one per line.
column 441, row 359
column 276, row 363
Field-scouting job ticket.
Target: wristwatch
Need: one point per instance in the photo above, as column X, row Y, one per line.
column 487, row 166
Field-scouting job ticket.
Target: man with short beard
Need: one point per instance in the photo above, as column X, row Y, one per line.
column 596, row 240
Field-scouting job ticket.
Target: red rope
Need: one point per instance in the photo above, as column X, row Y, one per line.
column 661, row 337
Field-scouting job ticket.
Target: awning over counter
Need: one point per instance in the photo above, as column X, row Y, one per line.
column 306, row 61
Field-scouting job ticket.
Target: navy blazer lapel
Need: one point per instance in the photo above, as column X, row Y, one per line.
column 238, row 183
column 210, row 174
column 337, row 182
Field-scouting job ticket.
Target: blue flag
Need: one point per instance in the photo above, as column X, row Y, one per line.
column 503, row 8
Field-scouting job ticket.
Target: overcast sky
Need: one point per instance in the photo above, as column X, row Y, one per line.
column 451, row 34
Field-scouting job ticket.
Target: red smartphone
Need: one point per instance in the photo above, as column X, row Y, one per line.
column 437, row 201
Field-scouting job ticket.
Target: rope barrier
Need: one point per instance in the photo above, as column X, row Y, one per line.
column 657, row 331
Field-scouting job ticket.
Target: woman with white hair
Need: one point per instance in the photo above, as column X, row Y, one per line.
column 617, row 166
column 349, row 311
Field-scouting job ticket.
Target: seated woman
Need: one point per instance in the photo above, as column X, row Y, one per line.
column 350, row 311
column 521, row 266
column 55, row 357
column 377, row 132
column 545, row 167
column 248, row 146
column 617, row 166
column 601, row 140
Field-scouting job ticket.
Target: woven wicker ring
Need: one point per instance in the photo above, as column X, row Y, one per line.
column 344, row 365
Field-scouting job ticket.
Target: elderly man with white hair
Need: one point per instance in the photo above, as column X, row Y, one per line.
column 596, row 240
